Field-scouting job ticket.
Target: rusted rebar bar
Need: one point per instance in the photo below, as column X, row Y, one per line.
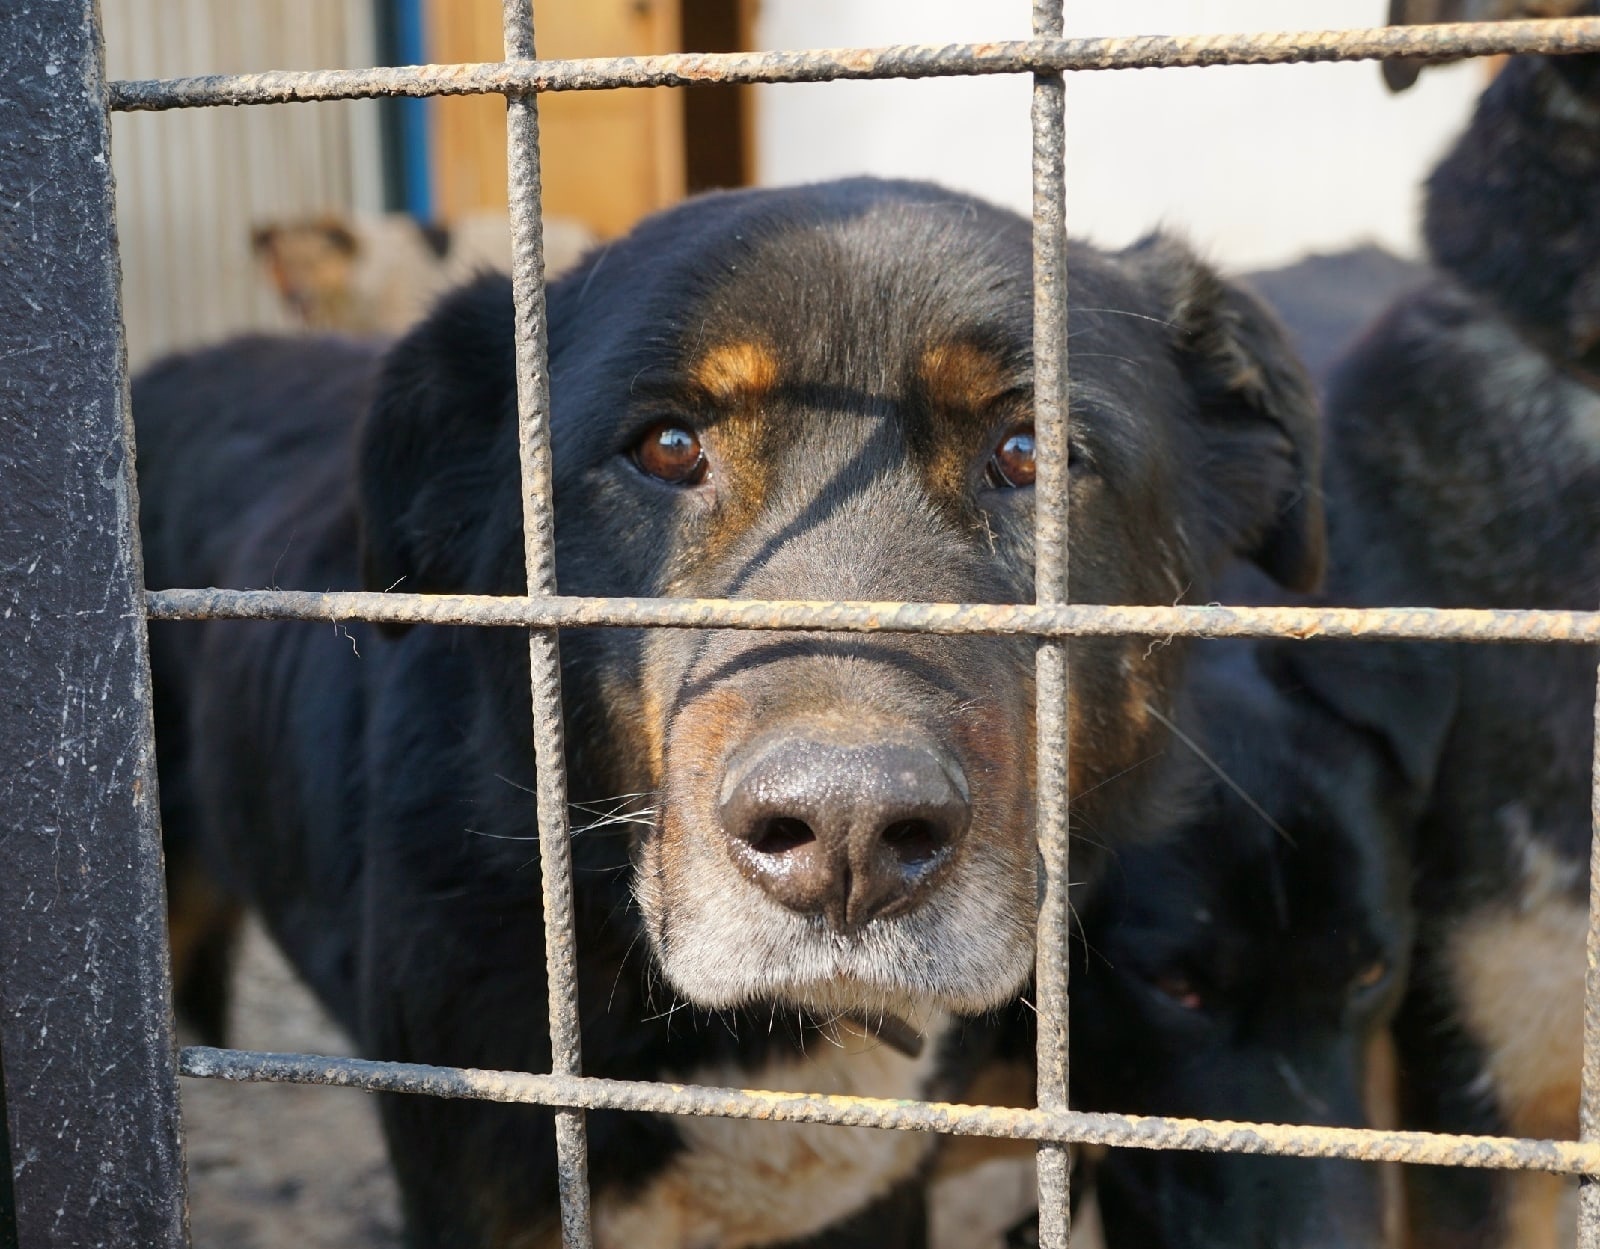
column 1052, row 435
column 1023, row 56
column 999, row 619
column 544, row 654
column 1002, row 1122
column 1589, row 1105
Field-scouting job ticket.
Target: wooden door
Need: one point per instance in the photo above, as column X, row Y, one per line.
column 609, row 157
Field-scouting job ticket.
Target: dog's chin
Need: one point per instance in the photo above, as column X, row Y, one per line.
column 908, row 967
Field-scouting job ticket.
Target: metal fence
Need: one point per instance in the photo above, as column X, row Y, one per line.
column 90, row 1069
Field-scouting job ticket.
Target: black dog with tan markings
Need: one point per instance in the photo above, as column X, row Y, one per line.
column 1467, row 437
column 820, row 847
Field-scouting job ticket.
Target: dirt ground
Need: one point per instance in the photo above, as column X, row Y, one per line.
column 282, row 1166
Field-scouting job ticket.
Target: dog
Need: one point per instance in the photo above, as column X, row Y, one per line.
column 1401, row 73
column 1466, row 436
column 1461, row 460
column 800, row 859
column 1246, row 961
column 1462, row 472
column 1306, row 769
column 377, row 274
column 1327, row 300
column 1247, row 966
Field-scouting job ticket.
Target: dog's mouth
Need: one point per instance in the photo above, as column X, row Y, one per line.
column 723, row 943
column 840, row 864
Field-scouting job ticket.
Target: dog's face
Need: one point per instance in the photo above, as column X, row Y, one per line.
column 1246, row 966
column 826, row 393
column 311, row 264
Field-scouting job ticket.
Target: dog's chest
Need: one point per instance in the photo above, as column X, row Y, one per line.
column 741, row 1183
column 1517, row 966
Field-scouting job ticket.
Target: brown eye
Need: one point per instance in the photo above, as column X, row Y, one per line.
column 671, row 452
column 1180, row 989
column 1011, row 465
column 1370, row 975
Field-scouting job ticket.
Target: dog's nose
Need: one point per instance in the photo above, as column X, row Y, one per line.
column 848, row 831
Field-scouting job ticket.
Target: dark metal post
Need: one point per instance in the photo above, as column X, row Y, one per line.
column 91, row 1089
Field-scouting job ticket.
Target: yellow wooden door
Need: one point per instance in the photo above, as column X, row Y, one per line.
column 609, row 157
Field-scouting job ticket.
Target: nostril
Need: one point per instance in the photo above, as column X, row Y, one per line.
column 781, row 835
column 845, row 830
column 913, row 842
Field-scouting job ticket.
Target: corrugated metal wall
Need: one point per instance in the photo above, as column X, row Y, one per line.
column 190, row 184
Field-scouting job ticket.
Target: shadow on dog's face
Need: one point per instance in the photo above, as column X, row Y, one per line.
column 826, row 393
column 1246, row 966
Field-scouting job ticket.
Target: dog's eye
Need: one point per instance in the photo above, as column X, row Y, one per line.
column 1370, row 976
column 1011, row 465
column 1179, row 989
column 672, row 453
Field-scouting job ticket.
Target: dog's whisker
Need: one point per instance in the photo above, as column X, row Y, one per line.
column 1219, row 771
column 1104, row 781
column 478, row 832
column 614, row 800
column 1126, row 312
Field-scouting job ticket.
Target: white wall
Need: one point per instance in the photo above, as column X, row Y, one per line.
column 192, row 182
column 1255, row 163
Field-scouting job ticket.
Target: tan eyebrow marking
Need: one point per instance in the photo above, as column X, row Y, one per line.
column 961, row 374
column 736, row 370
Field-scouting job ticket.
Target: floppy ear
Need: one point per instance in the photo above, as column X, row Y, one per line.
column 1402, row 693
column 1258, row 416
column 438, row 451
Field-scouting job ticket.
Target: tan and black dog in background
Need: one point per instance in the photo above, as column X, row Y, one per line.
column 1464, row 468
column 373, row 274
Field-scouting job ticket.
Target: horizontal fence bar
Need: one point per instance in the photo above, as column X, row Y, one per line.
column 1009, row 619
column 1021, row 56
column 1126, row 1131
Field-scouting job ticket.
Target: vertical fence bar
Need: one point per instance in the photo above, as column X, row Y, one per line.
column 539, row 549
column 91, row 1085
column 1589, row 1108
column 1050, row 555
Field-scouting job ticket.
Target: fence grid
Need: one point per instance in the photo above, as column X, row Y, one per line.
column 521, row 78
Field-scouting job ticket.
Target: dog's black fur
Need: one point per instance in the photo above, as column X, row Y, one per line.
column 1328, row 299
column 1466, row 470
column 1246, row 962
column 1247, row 966
column 1214, row 975
column 849, row 354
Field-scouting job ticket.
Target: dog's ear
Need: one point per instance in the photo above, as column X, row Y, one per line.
column 438, row 449
column 1402, row 693
column 1258, row 414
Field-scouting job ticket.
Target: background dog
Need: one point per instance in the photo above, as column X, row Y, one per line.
column 800, row 857
column 1246, row 962
column 370, row 274
column 1462, row 472
column 1247, row 965
column 1467, row 436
